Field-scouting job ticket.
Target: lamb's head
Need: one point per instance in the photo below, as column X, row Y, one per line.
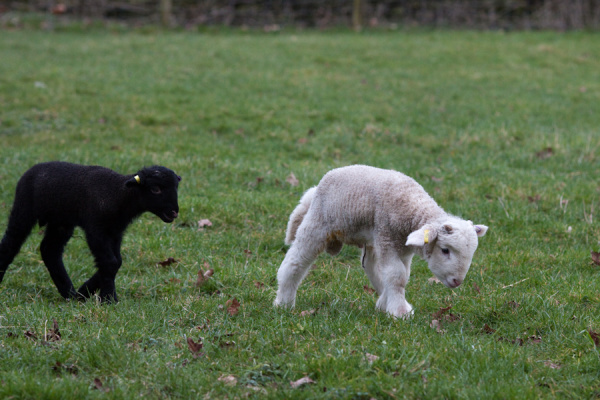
column 157, row 191
column 448, row 247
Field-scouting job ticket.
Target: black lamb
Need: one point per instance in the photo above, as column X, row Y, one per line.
column 61, row 196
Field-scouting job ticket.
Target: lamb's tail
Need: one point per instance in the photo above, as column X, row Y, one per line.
column 298, row 215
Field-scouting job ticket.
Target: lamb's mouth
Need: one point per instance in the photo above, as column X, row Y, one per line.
column 168, row 217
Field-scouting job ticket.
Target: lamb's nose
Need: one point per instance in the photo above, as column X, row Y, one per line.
column 456, row 282
column 174, row 214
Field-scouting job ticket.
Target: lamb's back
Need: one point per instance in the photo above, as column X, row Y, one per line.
column 363, row 197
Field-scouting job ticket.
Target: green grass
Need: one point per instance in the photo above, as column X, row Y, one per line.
column 468, row 114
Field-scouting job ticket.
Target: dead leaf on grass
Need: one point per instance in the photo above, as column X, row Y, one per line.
column 226, row 343
column 229, row 380
column 368, row 289
column 595, row 337
column 98, row 385
column 70, row 368
column 30, row 335
column 203, row 275
column 53, row 335
column 596, row 257
column 204, row 223
column 195, row 347
column 233, row 306
column 488, row 329
column 535, row 339
column 168, row 261
column 545, row 153
column 552, row 365
column 433, row 280
column 371, row 357
column 292, row 180
column 476, row 288
column 308, row 312
column 259, row 285
column 300, row 382
column 443, row 310
column 513, row 304
column 437, row 325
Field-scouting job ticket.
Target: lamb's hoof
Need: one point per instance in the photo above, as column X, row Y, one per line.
column 278, row 303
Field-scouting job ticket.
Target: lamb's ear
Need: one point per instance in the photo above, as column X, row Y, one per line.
column 134, row 181
column 480, row 230
column 422, row 236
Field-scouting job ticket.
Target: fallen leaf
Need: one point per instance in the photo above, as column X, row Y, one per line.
column 70, row 368
column 233, row 306
column 545, row 153
column 204, row 222
column 292, row 180
column 437, row 325
column 167, row 262
column 488, row 329
column 443, row 310
column 195, row 347
column 371, row 357
column 205, row 325
column 259, row 285
column 30, row 335
column 302, row 141
column 436, row 179
column 226, row 343
column 595, row 337
column 300, row 382
column 534, row 199
column 596, row 257
column 551, row 365
column 535, row 339
column 203, row 275
column 53, row 335
column 368, row 289
column 98, row 385
column 476, row 288
column 229, row 380
column 433, row 280
column 247, row 252
column 308, row 312
column 513, row 304
column 451, row 317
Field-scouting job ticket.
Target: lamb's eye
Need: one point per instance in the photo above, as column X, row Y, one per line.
column 155, row 190
column 446, row 251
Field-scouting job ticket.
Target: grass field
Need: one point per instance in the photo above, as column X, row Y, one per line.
column 502, row 129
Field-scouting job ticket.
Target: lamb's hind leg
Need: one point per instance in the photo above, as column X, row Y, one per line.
column 296, row 264
column 52, row 248
column 20, row 223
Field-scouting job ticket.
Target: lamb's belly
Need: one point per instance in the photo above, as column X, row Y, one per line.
column 359, row 238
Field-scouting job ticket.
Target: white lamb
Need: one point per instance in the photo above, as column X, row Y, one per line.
column 391, row 217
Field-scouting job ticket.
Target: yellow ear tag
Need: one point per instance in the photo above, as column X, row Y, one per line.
column 426, row 234
column 137, row 179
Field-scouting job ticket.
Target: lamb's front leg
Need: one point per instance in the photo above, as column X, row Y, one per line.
column 108, row 261
column 389, row 274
